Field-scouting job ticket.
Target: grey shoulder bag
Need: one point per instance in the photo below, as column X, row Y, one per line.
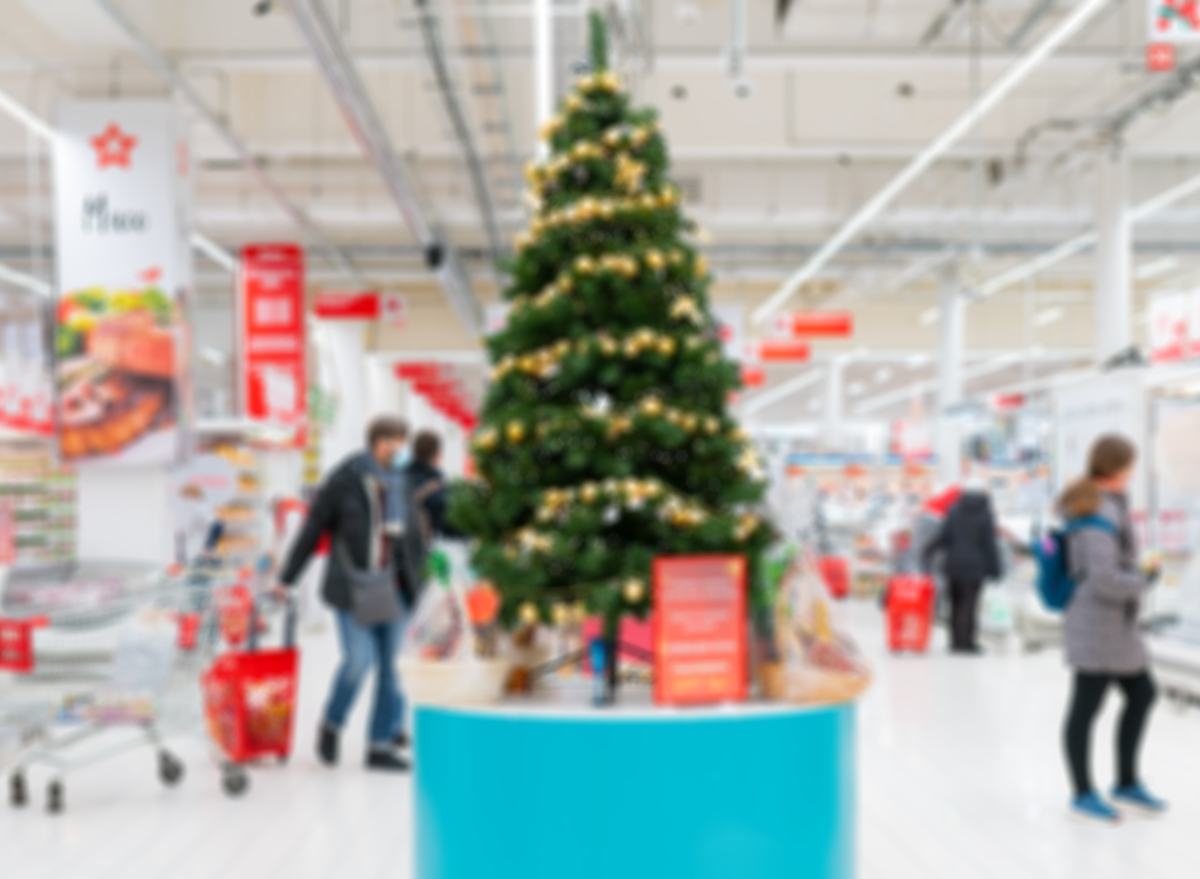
column 373, row 598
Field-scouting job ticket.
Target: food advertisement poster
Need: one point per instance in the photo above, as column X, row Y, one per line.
column 271, row 349
column 121, row 195
column 700, row 641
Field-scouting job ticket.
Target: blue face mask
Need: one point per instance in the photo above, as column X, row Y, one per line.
column 401, row 458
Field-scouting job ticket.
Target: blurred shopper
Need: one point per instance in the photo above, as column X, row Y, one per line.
column 362, row 506
column 1101, row 629
column 427, row 492
column 970, row 555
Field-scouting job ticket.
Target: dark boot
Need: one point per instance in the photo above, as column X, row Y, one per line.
column 386, row 761
column 327, row 745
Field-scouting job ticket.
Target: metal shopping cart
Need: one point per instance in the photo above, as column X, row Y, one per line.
column 86, row 651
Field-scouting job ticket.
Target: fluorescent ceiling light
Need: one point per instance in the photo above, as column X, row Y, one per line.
column 961, row 126
column 929, row 316
column 1048, row 316
column 883, row 374
column 916, row 361
column 1154, row 268
column 214, row 251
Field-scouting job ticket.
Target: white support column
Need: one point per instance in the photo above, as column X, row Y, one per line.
column 833, row 405
column 950, row 384
column 1112, row 312
column 543, row 64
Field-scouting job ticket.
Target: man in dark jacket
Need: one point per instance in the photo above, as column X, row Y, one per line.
column 362, row 509
column 427, row 492
column 971, row 555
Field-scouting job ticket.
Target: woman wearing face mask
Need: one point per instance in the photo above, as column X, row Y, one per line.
column 1103, row 645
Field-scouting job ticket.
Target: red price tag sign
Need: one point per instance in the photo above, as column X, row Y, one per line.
column 700, row 646
column 273, row 364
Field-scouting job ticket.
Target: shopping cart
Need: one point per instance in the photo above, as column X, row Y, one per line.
column 86, row 651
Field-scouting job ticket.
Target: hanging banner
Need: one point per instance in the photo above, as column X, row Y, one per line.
column 347, row 306
column 1174, row 21
column 1170, row 327
column 122, row 202
column 814, row 325
column 700, row 644
column 273, row 366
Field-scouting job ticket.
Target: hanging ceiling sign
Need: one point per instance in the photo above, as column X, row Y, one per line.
column 1170, row 327
column 814, row 325
column 393, row 309
column 360, row 305
column 1160, row 57
column 122, row 203
column 273, row 366
column 781, row 351
column 1174, row 21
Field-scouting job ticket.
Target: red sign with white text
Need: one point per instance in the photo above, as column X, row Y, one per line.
column 274, row 371
column 347, row 306
column 1160, row 57
column 700, row 645
column 783, row 351
column 815, row 324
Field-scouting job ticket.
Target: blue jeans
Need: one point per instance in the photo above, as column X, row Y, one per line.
column 362, row 647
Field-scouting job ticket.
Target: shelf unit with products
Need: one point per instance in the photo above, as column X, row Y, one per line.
column 39, row 499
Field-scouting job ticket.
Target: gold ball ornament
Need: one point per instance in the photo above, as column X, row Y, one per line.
column 514, row 432
column 561, row 614
column 634, row 591
column 608, row 81
column 711, row 425
column 702, row 266
column 588, row 492
column 573, row 103
column 655, row 261
column 612, row 137
column 666, row 346
column 652, row 407
column 529, row 614
column 585, row 265
column 487, row 440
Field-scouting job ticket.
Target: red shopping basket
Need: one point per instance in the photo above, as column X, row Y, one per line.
column 909, row 613
column 835, row 571
column 16, row 643
column 250, row 703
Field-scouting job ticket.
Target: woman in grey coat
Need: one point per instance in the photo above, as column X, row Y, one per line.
column 1101, row 628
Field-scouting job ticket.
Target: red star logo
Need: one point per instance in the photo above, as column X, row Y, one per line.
column 113, row 147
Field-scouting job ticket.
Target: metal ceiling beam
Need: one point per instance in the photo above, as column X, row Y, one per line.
column 313, row 235
column 771, row 396
column 1039, row 10
column 961, row 126
column 340, row 74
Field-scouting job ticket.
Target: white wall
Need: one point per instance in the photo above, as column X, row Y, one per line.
column 125, row 514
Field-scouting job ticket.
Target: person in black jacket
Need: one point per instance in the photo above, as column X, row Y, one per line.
column 971, row 554
column 362, row 508
column 427, row 494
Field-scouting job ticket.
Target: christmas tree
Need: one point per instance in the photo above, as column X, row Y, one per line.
column 605, row 438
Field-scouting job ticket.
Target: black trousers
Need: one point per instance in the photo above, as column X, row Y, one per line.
column 964, row 613
column 1086, row 700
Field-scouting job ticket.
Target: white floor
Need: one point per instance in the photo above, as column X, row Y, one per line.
column 960, row 778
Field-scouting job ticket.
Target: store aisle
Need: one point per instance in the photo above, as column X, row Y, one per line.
column 960, row 777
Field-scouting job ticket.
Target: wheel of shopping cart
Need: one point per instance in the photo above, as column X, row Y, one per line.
column 170, row 769
column 18, row 793
column 55, row 801
column 235, row 781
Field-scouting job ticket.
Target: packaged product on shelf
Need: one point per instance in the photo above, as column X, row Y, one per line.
column 815, row 662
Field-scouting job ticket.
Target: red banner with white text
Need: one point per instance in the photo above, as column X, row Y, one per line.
column 271, row 314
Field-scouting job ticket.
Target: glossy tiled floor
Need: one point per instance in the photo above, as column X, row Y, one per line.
column 960, row 779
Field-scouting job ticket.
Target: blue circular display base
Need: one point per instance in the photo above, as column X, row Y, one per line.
column 753, row 793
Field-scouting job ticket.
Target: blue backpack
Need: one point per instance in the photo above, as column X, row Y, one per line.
column 1054, row 581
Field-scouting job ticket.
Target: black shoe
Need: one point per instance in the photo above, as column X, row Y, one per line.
column 401, row 740
column 386, row 761
column 327, row 745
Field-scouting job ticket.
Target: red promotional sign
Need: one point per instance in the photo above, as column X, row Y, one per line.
column 783, row 351
column 815, row 324
column 347, row 306
column 274, row 371
column 753, row 377
column 1160, row 57
column 700, row 648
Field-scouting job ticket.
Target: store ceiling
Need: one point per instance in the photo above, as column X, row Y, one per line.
column 827, row 109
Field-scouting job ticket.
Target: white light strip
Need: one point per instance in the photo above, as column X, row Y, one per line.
column 26, row 117
column 963, row 124
column 773, row 395
column 24, row 281
column 214, row 251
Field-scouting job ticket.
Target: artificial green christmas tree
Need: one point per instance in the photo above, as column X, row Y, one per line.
column 605, row 438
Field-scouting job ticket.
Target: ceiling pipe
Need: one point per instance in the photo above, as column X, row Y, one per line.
column 435, row 50
column 9, row 275
column 165, row 70
column 1040, row 9
column 961, row 126
column 340, row 74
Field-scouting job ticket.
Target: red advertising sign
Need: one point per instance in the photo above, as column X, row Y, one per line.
column 815, row 324
column 700, row 649
column 783, row 351
column 274, row 372
column 753, row 377
column 347, row 306
column 1160, row 57
column 1170, row 328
